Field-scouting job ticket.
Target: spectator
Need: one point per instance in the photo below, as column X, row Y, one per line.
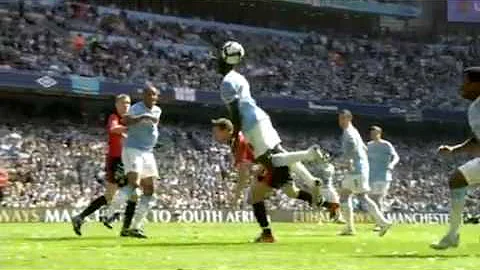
column 79, row 43
column 3, row 182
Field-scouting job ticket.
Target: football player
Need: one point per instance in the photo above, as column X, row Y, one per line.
column 469, row 173
column 255, row 125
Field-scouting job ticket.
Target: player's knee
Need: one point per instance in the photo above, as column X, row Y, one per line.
column 110, row 191
column 457, row 180
column 109, row 196
column 133, row 179
column 258, row 192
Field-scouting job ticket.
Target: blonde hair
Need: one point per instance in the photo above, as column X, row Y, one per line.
column 122, row 97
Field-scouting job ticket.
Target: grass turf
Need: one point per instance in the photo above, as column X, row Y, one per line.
column 228, row 246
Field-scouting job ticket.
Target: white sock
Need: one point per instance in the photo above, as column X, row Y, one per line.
column 375, row 211
column 456, row 211
column 347, row 210
column 288, row 158
column 119, row 199
column 141, row 212
column 303, row 173
column 379, row 202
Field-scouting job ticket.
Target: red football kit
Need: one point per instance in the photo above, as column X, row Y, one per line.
column 114, row 153
column 244, row 154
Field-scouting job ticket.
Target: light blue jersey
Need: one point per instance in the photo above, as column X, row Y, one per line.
column 380, row 156
column 144, row 134
column 474, row 117
column 355, row 151
column 235, row 87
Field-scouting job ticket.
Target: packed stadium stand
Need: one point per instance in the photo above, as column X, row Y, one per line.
column 133, row 47
column 61, row 163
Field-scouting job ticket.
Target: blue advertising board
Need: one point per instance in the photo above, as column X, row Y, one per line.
column 464, row 11
column 12, row 79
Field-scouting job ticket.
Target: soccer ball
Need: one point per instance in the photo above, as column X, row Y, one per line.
column 232, row 52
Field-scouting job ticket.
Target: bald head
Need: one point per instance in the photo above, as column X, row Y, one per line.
column 150, row 95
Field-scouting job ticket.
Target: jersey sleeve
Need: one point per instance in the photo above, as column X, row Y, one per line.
column 113, row 120
column 391, row 150
column 158, row 113
column 135, row 110
column 348, row 145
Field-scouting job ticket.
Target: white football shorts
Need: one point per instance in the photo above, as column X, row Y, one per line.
column 471, row 171
column 356, row 183
column 330, row 194
column 139, row 161
column 262, row 137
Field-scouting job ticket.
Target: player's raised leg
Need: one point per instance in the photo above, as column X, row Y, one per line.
column 288, row 158
column 284, row 158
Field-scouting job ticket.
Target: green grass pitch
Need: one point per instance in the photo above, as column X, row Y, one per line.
column 228, row 246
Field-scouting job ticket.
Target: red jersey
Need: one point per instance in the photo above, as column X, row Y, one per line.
column 244, row 151
column 114, row 140
column 244, row 154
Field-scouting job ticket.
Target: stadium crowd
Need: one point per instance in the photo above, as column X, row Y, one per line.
column 61, row 164
column 320, row 65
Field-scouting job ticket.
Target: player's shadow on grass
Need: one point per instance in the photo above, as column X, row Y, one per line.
column 184, row 244
column 418, row 256
column 67, row 238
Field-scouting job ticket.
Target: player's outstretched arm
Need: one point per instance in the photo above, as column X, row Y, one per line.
column 468, row 146
column 117, row 128
column 135, row 119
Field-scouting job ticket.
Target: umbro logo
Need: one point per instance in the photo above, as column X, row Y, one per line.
column 46, row 81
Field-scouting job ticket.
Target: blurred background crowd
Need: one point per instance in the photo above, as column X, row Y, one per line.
column 60, row 163
column 388, row 69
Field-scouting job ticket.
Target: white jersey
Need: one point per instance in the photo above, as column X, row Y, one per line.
column 256, row 124
column 474, row 117
column 235, row 87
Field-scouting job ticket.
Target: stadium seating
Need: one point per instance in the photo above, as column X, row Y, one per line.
column 178, row 52
column 195, row 172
